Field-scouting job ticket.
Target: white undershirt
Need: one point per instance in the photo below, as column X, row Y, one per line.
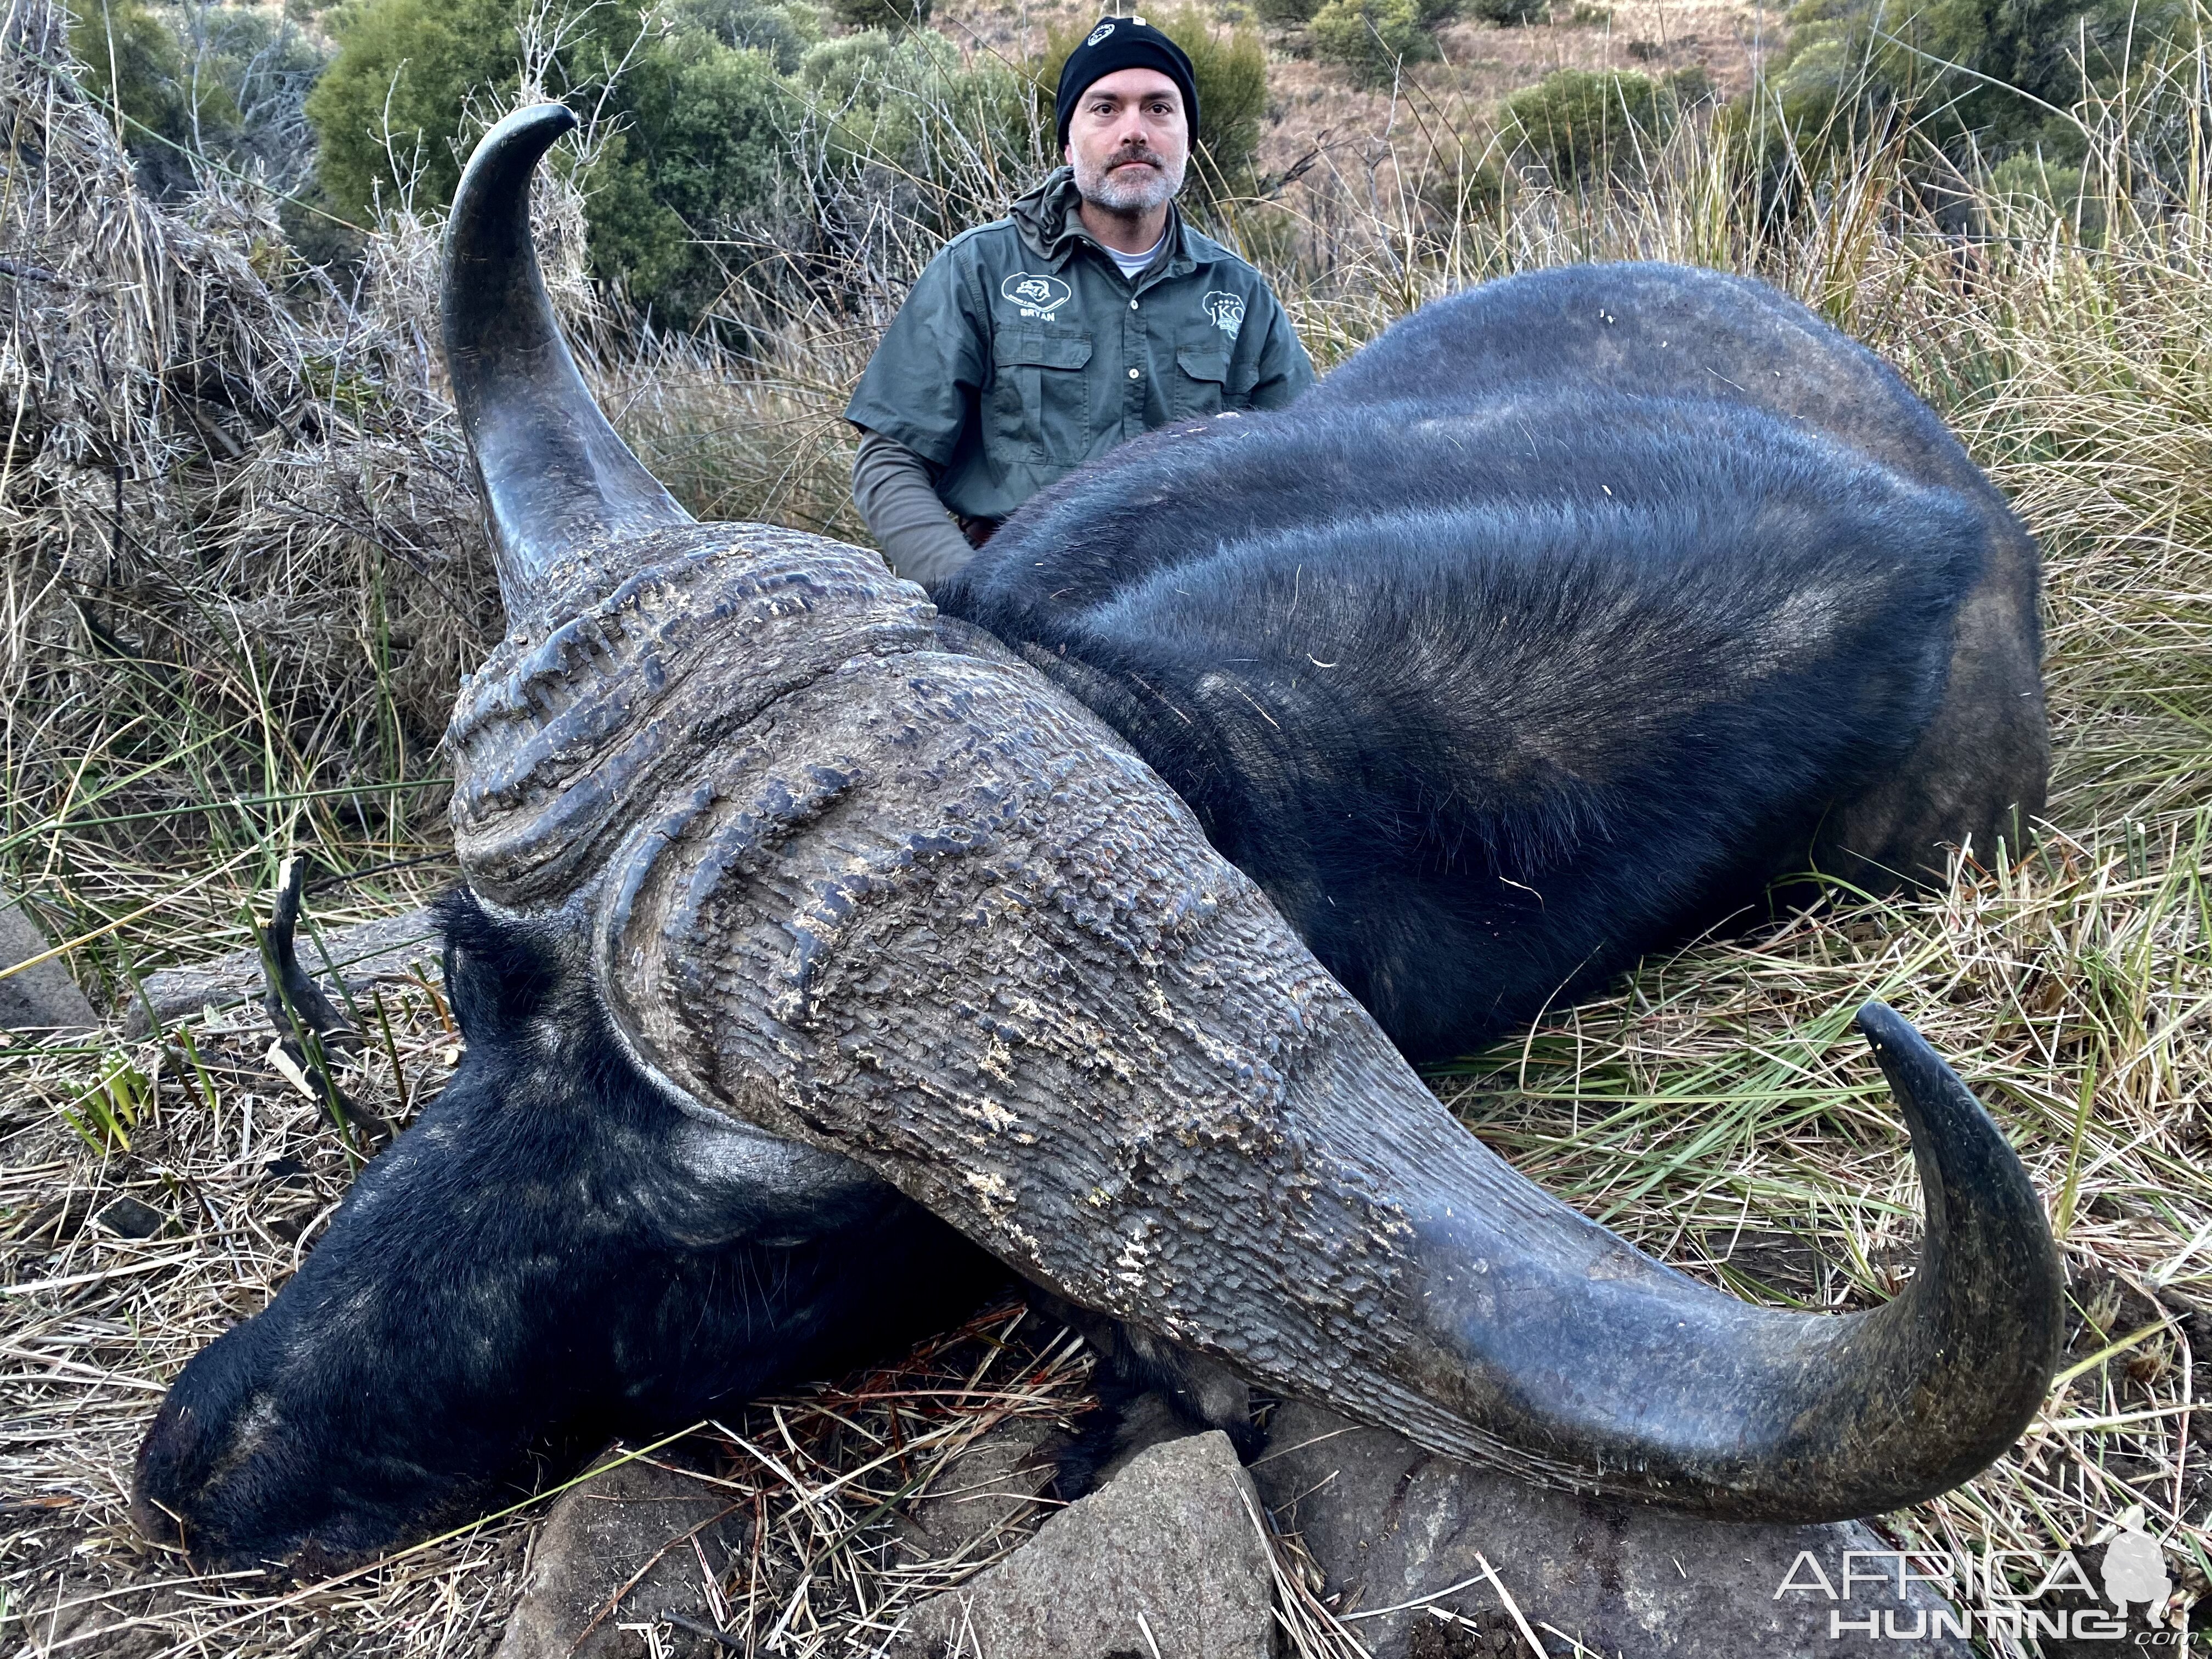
column 1131, row 264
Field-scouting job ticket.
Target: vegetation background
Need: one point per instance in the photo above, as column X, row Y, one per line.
column 243, row 574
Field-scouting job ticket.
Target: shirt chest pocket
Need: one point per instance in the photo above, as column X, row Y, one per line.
column 1040, row 400
column 1209, row 381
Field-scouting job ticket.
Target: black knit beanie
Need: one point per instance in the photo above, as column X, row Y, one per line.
column 1120, row 43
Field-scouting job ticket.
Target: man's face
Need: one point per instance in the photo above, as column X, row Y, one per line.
column 1128, row 141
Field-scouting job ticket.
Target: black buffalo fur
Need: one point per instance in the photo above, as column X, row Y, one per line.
column 527, row 1269
column 1494, row 686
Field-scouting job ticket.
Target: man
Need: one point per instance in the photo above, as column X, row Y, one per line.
column 1091, row 314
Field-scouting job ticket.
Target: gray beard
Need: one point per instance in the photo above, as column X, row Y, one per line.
column 1130, row 192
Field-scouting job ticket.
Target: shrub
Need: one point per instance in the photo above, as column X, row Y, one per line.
column 2031, row 178
column 695, row 157
column 906, row 103
column 1285, row 13
column 1585, row 124
column 1231, row 71
column 2032, row 192
column 262, row 66
column 1372, row 38
column 134, row 65
column 1984, row 79
column 197, row 83
column 784, row 32
column 1512, row 13
column 881, row 14
column 388, row 111
column 672, row 193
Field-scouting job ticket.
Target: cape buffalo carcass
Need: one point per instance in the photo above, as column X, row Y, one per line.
column 818, row 948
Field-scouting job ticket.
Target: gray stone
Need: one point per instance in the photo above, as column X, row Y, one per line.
column 1167, row 1557
column 1389, row 1523
column 41, row 999
column 129, row 1217
column 1144, row 1422
column 637, row 1526
column 993, row 1484
column 389, row 947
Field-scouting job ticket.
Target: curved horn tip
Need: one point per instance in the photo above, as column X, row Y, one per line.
column 1955, row 1137
column 1898, row 1045
column 556, row 479
column 522, row 137
column 1931, row 1095
column 1979, row 1197
column 497, row 176
column 552, row 117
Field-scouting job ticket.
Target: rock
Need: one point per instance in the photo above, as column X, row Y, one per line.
column 41, row 999
column 994, row 1483
column 1165, row 1558
column 359, row 956
column 1389, row 1523
column 127, row 1218
column 638, row 1522
column 1144, row 1422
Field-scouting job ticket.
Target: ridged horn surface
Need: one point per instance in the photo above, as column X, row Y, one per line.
column 928, row 914
column 911, row 904
column 555, row 477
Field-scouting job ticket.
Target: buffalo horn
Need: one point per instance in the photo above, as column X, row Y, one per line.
column 554, row 475
column 909, row 903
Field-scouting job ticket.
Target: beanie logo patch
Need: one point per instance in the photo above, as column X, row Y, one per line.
column 1035, row 294
column 1097, row 34
column 1227, row 311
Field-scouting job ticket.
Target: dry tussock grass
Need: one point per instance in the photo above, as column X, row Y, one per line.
column 1714, row 1108
column 242, row 567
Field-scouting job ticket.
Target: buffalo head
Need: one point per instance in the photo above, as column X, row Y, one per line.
column 794, row 913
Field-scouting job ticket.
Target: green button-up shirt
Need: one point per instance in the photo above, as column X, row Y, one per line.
column 1022, row 351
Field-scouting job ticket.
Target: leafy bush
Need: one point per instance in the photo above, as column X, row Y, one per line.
column 949, row 137
column 388, row 113
column 1230, row 72
column 1586, row 124
column 1980, row 82
column 200, row 84
column 1512, row 13
column 881, row 14
column 2031, row 178
column 783, row 32
column 696, row 163
column 1990, row 78
column 875, row 91
column 2027, row 192
column 260, row 66
column 701, row 111
column 1285, row 13
column 134, row 66
column 1372, row 38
